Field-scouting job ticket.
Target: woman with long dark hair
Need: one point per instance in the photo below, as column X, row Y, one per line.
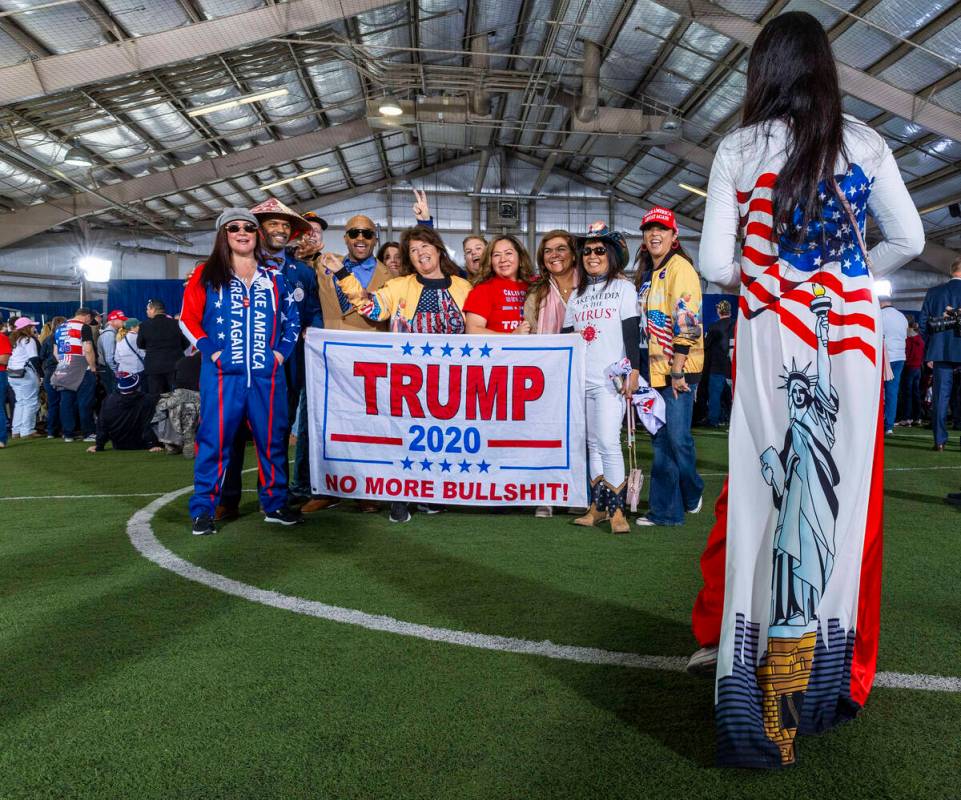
column 675, row 342
column 496, row 303
column 794, row 559
column 240, row 315
column 603, row 310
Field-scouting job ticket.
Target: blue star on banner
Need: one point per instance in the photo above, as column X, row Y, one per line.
column 446, row 350
column 425, row 465
column 483, row 466
column 426, row 349
column 464, row 466
column 485, row 350
column 466, row 350
column 408, row 349
column 445, row 465
column 407, row 463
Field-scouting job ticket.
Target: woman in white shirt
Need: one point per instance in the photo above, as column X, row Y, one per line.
column 794, row 558
column 603, row 309
column 23, row 371
column 129, row 357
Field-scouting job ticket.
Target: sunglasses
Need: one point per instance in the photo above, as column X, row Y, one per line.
column 600, row 250
column 247, row 227
column 355, row 233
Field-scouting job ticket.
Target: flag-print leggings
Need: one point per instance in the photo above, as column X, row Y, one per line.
column 225, row 402
column 605, row 413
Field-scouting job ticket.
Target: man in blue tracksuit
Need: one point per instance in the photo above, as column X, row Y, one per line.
column 244, row 333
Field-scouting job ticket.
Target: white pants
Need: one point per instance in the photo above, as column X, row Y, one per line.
column 27, row 391
column 605, row 413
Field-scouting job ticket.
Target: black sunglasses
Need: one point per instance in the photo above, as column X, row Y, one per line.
column 354, row 233
column 600, row 250
column 247, row 227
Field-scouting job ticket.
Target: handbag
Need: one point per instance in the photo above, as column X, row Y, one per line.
column 16, row 373
column 635, row 477
column 69, row 373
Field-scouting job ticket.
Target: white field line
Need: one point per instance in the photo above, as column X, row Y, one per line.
column 254, row 491
column 142, row 537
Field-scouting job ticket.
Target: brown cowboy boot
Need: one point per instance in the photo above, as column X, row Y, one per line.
column 598, row 510
column 617, row 499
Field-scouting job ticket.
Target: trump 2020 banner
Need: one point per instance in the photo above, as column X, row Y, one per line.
column 468, row 420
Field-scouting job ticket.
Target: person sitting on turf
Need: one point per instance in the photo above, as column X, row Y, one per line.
column 125, row 417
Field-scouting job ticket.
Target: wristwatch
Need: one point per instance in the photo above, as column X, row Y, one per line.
column 676, row 376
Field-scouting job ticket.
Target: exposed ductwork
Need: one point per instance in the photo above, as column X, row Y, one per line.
column 587, row 104
column 480, row 62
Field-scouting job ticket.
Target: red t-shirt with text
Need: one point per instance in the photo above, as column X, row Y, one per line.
column 499, row 301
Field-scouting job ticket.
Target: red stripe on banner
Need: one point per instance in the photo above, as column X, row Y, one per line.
column 831, row 282
column 358, row 439
column 764, row 181
column 864, row 661
column 536, row 443
column 761, row 205
column 852, row 343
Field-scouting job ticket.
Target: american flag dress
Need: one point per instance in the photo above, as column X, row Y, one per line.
column 802, row 509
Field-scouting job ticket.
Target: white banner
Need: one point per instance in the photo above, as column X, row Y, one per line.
column 428, row 418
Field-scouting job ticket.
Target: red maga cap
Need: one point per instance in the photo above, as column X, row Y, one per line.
column 659, row 216
column 116, row 314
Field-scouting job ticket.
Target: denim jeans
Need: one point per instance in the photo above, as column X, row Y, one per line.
column 911, row 395
column 675, row 486
column 27, row 390
column 715, row 394
column 79, row 404
column 3, row 407
column 891, row 391
column 53, row 408
column 300, row 476
column 941, row 399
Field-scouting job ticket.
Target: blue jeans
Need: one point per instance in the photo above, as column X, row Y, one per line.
column 108, row 379
column 891, row 391
column 715, row 394
column 911, row 395
column 3, row 407
column 79, row 404
column 300, row 478
column 53, row 408
column 941, row 399
column 675, row 486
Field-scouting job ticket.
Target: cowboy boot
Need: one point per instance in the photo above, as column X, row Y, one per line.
column 617, row 500
column 598, row 510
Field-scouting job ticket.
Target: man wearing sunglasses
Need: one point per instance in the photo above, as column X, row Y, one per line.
column 361, row 239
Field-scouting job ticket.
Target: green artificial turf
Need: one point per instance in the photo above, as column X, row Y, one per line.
column 120, row 679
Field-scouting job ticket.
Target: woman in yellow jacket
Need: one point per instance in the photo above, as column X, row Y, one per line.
column 676, row 348
column 428, row 297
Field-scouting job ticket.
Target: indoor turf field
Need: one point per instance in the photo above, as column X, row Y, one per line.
column 122, row 679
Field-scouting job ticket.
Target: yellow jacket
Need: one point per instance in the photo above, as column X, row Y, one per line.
column 674, row 319
column 397, row 299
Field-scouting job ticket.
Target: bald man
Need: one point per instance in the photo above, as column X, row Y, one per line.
column 360, row 236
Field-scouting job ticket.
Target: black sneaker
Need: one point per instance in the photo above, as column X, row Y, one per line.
column 284, row 516
column 203, row 525
column 424, row 508
column 399, row 512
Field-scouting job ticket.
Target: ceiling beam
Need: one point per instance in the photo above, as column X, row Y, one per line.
column 56, row 73
column 853, row 81
column 38, row 218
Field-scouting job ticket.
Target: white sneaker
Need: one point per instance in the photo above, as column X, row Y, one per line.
column 697, row 508
column 91, row 438
column 644, row 522
column 544, row 512
column 703, row 662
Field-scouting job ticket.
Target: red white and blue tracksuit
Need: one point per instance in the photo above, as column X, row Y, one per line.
column 245, row 382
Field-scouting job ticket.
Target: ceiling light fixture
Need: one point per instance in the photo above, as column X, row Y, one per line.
column 77, row 158
column 693, row 189
column 184, row 222
column 308, row 174
column 236, row 101
column 95, row 270
column 389, row 107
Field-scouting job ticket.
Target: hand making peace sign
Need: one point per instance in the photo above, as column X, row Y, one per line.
column 421, row 209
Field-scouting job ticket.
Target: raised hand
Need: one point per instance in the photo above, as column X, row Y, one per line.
column 421, row 208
